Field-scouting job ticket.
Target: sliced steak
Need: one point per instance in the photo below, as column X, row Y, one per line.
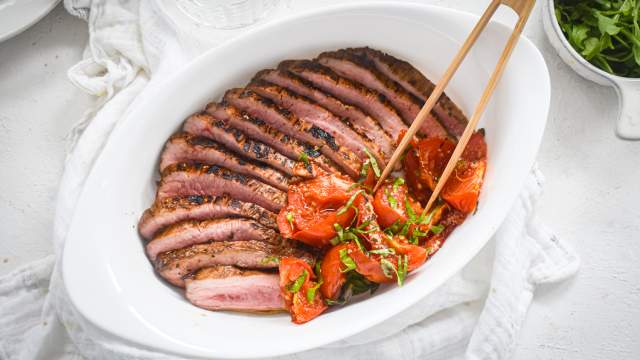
column 284, row 121
column 258, row 129
column 205, row 125
column 176, row 265
column 316, row 115
column 173, row 210
column 349, row 92
column 187, row 179
column 361, row 122
column 193, row 232
column 186, row 148
column 359, row 69
column 417, row 84
column 231, row 288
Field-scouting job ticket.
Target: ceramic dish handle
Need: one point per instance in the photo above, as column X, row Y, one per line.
column 629, row 117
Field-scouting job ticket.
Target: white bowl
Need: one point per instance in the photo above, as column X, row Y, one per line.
column 106, row 272
column 628, row 89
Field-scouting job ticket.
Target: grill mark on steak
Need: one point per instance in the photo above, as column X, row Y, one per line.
column 176, row 265
column 193, row 232
column 288, row 146
column 187, row 148
column 359, row 69
column 283, row 120
column 349, row 92
column 316, row 115
column 230, row 288
column 187, row 179
column 412, row 80
column 362, row 123
column 173, row 210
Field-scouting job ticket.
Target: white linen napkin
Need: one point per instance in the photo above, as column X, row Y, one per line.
column 475, row 315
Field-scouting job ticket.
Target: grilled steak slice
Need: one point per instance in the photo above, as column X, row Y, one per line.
column 258, row 129
column 361, row 122
column 176, row 265
column 199, row 207
column 318, row 116
column 287, row 123
column 187, row 148
column 186, row 179
column 349, row 92
column 359, row 69
column 418, row 85
column 193, row 232
column 231, row 288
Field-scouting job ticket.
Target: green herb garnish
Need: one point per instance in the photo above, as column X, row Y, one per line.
column 289, row 217
column 270, row 259
column 347, row 261
column 349, row 203
column 392, row 200
column 304, row 157
column 397, row 183
column 296, row 285
column 373, row 162
column 437, row 229
column 604, row 32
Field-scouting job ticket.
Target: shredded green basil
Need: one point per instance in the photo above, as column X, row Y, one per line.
column 373, row 162
column 349, row 203
column 346, row 260
column 296, row 285
column 304, row 158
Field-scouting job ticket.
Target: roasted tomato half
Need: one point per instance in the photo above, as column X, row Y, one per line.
column 299, row 290
column 425, row 162
column 333, row 276
column 392, row 203
column 315, row 206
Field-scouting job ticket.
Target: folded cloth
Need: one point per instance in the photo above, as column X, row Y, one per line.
column 475, row 315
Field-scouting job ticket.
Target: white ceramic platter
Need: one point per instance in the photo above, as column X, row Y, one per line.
column 106, row 272
column 18, row 15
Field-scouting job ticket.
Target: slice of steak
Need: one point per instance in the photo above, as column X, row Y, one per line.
column 349, row 92
column 258, row 129
column 412, row 80
column 231, row 288
column 173, row 210
column 186, row 148
column 284, row 121
column 359, row 69
column 176, row 265
column 193, row 232
column 364, row 124
column 316, row 115
column 187, row 179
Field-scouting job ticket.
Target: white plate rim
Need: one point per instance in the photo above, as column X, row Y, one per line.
column 18, row 9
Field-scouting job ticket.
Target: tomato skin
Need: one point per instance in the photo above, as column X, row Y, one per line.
column 312, row 209
column 300, row 308
column 332, row 276
column 450, row 221
column 369, row 267
column 416, row 255
column 463, row 187
column 388, row 214
column 426, row 161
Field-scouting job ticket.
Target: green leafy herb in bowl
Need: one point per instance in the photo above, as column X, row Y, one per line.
column 604, row 32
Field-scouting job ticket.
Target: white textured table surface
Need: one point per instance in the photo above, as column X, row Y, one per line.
column 592, row 194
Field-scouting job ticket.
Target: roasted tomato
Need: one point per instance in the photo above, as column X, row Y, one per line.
column 450, row 220
column 425, row 162
column 390, row 203
column 313, row 207
column 368, row 266
column 463, row 187
column 299, row 290
column 333, row 276
column 416, row 255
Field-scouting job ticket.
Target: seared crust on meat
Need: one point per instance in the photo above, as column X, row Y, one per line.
column 360, row 69
column 200, row 207
column 311, row 112
column 287, row 123
column 187, row 148
column 349, row 92
column 176, row 265
column 417, row 84
column 362, row 123
column 189, row 179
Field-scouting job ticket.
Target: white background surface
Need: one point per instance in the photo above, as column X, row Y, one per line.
column 592, row 194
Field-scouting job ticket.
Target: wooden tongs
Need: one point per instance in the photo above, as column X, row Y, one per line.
column 523, row 9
